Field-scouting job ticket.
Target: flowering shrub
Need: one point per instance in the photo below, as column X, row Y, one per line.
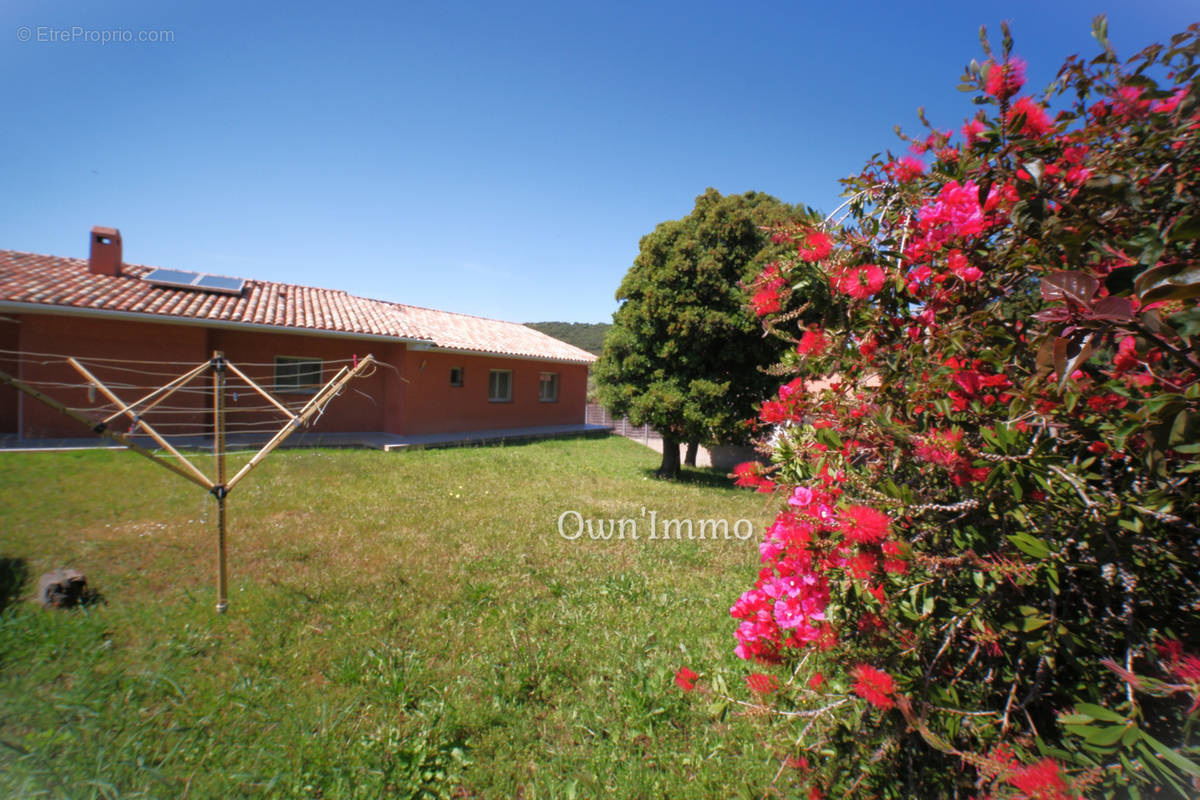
column 987, row 451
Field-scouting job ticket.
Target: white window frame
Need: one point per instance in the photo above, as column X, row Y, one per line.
column 552, row 396
column 494, row 395
column 291, row 384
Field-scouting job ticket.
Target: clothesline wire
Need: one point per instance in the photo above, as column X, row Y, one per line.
column 281, row 391
column 55, row 357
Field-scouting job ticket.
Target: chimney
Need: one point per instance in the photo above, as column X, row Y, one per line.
column 105, row 258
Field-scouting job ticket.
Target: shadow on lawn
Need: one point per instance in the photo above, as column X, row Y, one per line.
column 698, row 476
column 13, row 574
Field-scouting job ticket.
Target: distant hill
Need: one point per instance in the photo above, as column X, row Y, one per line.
column 584, row 335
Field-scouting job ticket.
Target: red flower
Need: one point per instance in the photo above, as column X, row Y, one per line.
column 863, row 564
column 814, row 246
column 768, row 295
column 863, row 525
column 1034, row 122
column 1005, row 80
column 765, row 301
column 815, row 681
column 862, row 282
column 750, row 473
column 762, row 684
column 906, row 168
column 1126, row 357
column 973, row 131
column 1040, row 781
column 686, row 679
column 798, row 762
column 874, row 685
column 813, row 342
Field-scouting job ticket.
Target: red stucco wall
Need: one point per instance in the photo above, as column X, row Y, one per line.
column 10, row 329
column 434, row 406
column 410, row 393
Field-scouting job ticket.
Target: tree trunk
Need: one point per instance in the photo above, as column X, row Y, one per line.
column 670, row 459
column 689, row 460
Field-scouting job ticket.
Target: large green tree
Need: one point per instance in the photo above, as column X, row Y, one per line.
column 684, row 353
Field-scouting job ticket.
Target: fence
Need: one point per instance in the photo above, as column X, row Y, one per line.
column 598, row 415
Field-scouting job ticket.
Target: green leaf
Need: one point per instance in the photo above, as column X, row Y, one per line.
column 1103, row 737
column 1029, row 545
column 1190, row 767
column 1074, row 719
column 1098, row 712
column 1185, row 229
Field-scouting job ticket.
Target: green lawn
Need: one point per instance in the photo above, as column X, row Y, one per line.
column 405, row 624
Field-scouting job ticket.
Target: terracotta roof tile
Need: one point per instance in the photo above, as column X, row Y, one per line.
column 67, row 283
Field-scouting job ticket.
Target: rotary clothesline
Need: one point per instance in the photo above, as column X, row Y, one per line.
column 117, row 408
column 185, row 416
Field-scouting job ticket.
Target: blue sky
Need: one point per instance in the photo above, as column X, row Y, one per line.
column 500, row 159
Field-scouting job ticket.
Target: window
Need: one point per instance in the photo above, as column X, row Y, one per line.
column 296, row 374
column 548, row 387
column 456, row 374
column 500, row 386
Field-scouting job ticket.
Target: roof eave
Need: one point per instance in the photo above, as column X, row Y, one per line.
column 139, row 316
column 426, row 347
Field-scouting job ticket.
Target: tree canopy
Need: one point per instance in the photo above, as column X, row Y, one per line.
column 684, row 353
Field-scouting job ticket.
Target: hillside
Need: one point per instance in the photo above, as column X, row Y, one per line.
column 585, row 335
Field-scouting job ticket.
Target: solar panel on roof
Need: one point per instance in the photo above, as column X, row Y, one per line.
column 172, row 276
column 201, row 281
column 220, row 283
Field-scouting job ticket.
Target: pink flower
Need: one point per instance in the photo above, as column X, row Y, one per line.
column 954, row 214
column 802, row 497
column 874, row 685
column 1171, row 103
column 962, row 268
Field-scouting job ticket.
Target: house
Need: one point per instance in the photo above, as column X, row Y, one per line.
column 440, row 372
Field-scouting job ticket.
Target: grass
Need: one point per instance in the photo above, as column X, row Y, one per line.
column 400, row 625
